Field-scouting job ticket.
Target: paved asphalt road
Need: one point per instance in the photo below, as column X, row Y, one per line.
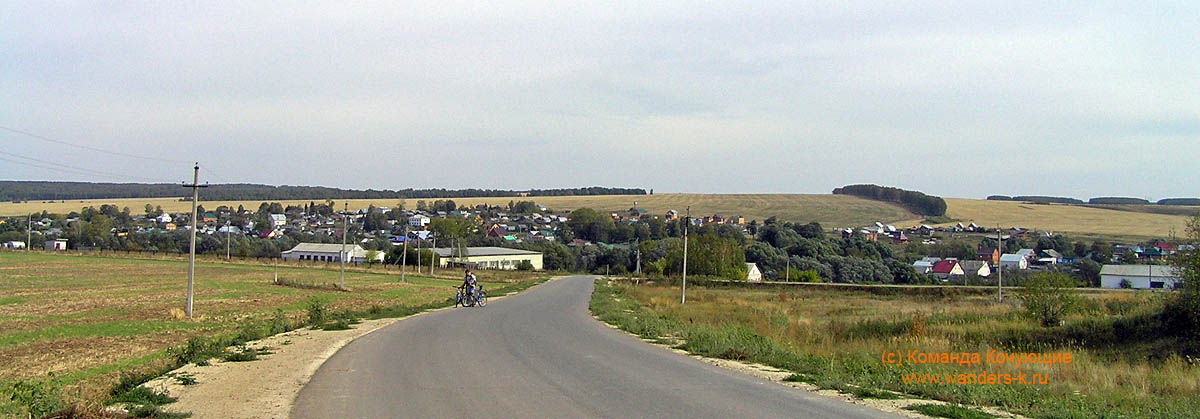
column 537, row 354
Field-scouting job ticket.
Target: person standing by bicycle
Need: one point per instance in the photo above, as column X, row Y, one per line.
column 471, row 284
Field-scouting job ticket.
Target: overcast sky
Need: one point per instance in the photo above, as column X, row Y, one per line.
column 953, row 98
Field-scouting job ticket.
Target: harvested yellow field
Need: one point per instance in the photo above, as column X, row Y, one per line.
column 832, row 210
column 1064, row 218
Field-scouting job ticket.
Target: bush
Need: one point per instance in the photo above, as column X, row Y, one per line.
column 280, row 323
column 38, row 398
column 1049, row 296
column 316, row 312
column 806, row 276
column 1126, row 284
column 526, row 265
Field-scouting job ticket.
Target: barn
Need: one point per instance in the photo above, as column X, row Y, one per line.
column 489, row 257
column 1139, row 276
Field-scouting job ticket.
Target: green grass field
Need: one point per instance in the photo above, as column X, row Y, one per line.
column 85, row 319
column 836, row 339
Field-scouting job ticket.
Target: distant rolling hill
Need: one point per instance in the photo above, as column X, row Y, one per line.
column 829, row 210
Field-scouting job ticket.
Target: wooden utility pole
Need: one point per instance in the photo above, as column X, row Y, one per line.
column 29, row 234
column 192, row 249
column 686, row 220
column 404, row 254
column 345, row 221
column 787, row 272
column 432, row 256
column 1000, row 266
column 227, row 240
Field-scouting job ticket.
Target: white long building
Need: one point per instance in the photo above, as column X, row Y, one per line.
column 1139, row 276
column 328, row 252
column 489, row 257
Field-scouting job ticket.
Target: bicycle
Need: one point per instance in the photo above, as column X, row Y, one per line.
column 464, row 300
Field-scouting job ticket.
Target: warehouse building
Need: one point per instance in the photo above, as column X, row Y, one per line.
column 328, row 252
column 488, row 257
column 1138, row 276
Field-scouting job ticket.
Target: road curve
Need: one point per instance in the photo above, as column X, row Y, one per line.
column 537, row 354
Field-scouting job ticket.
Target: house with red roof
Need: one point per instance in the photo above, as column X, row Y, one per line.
column 947, row 268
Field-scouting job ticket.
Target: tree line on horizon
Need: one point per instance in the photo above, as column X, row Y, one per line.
column 1104, row 200
column 47, row 190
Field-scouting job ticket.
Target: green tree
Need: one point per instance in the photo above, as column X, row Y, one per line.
column 1101, row 252
column 1049, row 296
column 1182, row 311
column 1089, row 271
column 588, row 224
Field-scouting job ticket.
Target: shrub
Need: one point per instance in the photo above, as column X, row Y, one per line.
column 316, row 312
column 38, row 398
column 197, row 350
column 143, row 396
column 1126, row 284
column 1049, row 296
column 807, row 275
column 280, row 323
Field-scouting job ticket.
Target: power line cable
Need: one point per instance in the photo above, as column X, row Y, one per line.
column 75, row 169
column 98, row 150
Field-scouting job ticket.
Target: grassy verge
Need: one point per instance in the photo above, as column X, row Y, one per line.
column 71, row 326
column 834, row 339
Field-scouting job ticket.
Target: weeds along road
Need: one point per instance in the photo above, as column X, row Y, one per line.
column 537, row 354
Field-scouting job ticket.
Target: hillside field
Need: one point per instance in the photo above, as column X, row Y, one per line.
column 829, row 210
column 833, row 210
column 1080, row 220
column 86, row 319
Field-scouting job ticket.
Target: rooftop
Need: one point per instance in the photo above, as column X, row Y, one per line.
column 484, row 251
column 1139, row 270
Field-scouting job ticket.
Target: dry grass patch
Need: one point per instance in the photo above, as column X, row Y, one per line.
column 85, row 318
column 834, row 339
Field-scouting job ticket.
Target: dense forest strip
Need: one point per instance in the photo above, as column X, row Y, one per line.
column 40, row 190
column 916, row 202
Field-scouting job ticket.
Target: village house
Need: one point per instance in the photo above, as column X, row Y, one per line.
column 418, row 221
column 978, row 268
column 56, row 244
column 925, row 265
column 1013, row 261
column 988, row 254
column 752, row 273
column 947, row 268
